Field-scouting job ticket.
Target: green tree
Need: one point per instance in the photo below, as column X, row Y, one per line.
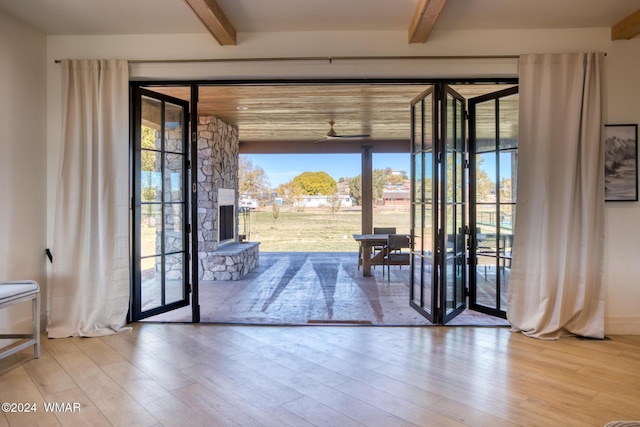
column 485, row 186
column 506, row 190
column 148, row 162
column 379, row 179
column 148, row 142
column 378, row 182
column 252, row 180
column 316, row 183
column 291, row 193
column 355, row 189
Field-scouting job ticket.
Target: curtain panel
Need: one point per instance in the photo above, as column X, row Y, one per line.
column 89, row 288
column 556, row 279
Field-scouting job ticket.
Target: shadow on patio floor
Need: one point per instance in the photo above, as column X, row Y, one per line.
column 295, row 288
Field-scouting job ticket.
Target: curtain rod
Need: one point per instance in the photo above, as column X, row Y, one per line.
column 329, row 59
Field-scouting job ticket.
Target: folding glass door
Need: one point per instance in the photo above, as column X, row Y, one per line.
column 160, row 204
column 493, row 147
column 438, row 204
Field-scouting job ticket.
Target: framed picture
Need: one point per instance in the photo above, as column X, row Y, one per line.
column 621, row 163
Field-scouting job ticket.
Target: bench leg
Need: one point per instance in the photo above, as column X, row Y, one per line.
column 35, row 308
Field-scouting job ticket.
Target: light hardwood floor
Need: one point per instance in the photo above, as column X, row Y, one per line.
column 210, row 375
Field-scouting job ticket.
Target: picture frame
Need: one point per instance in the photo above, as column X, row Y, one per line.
column 621, row 163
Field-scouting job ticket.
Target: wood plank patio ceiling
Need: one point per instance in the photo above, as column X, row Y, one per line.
column 287, row 114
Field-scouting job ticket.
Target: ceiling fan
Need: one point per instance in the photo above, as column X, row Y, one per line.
column 333, row 135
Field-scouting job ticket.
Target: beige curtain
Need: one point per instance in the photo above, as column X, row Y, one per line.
column 89, row 289
column 556, row 278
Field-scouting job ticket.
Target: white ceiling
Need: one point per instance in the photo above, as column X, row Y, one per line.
column 86, row 17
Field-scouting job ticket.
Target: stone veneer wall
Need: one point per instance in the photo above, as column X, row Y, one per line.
column 232, row 261
column 218, row 157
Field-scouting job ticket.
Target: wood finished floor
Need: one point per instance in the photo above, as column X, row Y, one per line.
column 296, row 288
column 233, row 375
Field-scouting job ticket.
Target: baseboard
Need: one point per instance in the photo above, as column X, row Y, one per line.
column 628, row 325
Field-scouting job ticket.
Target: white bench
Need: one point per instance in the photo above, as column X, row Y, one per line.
column 14, row 293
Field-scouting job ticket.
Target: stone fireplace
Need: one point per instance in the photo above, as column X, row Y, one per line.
column 220, row 254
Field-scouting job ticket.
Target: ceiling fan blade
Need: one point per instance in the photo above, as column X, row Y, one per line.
column 354, row 136
column 333, row 135
column 348, row 136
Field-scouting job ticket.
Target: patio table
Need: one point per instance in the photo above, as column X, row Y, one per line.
column 367, row 241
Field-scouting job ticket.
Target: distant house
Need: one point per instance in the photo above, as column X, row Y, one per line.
column 393, row 197
column 323, row 201
column 247, row 202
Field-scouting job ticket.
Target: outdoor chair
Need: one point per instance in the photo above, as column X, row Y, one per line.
column 396, row 252
column 382, row 230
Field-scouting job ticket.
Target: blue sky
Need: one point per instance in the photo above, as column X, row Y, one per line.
column 282, row 168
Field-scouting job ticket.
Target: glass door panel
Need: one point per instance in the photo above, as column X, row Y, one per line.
column 422, row 293
column 453, row 219
column 493, row 145
column 438, row 150
column 160, row 249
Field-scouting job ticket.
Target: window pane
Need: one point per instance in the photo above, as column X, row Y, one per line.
column 451, row 117
column 417, row 127
column 486, row 129
column 508, row 175
column 173, row 232
column 174, row 278
column 451, row 177
column 151, row 289
column 486, row 225
column 486, row 177
column 418, row 178
column 417, row 279
column 450, row 283
column 151, row 230
column 450, row 227
column 173, row 128
column 427, row 236
column 509, row 122
column 173, row 175
column 459, row 172
column 507, row 172
column 151, row 176
column 460, row 140
column 417, row 228
column 428, row 123
column 151, row 123
column 428, row 177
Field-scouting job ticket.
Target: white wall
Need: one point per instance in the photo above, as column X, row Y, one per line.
column 23, row 177
column 622, row 241
column 622, row 84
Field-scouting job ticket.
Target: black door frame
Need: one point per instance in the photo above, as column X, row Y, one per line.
column 446, row 152
column 135, row 310
column 500, row 258
column 192, row 138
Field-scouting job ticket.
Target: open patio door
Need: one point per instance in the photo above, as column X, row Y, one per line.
column 160, row 239
column 493, row 153
column 438, row 204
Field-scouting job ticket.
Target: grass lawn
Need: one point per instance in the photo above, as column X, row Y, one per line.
column 317, row 229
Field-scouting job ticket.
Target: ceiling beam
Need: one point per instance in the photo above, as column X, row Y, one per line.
column 424, row 19
column 215, row 20
column 628, row 28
